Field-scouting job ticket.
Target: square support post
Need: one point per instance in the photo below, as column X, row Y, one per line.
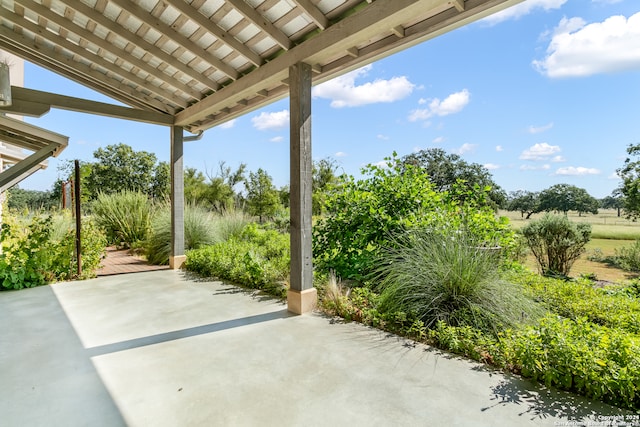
column 302, row 296
column 177, row 256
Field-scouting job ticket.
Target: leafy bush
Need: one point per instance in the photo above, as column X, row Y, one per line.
column 578, row 298
column 124, row 216
column 572, row 354
column 257, row 259
column 578, row 356
column 37, row 253
column 363, row 214
column 448, row 277
column 556, row 242
column 199, row 230
column 628, row 258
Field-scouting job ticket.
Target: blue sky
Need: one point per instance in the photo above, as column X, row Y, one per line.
column 546, row 92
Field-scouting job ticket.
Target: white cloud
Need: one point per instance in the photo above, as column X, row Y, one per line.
column 534, row 168
column 499, row 148
column 578, row 50
column 266, row 121
column 614, row 175
column 540, row 151
column 452, row 104
column 537, row 129
column 382, row 164
column 343, row 91
column 491, row 166
column 228, row 125
column 382, row 137
column 277, row 139
column 577, row 171
column 340, row 154
column 438, row 140
column 522, row 9
column 558, row 159
column 465, row 148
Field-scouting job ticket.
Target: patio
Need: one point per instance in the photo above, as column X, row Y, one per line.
column 161, row 348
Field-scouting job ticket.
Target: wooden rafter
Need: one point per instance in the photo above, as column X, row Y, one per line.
column 107, row 46
column 314, row 13
column 181, row 40
column 97, row 59
column 218, row 32
column 263, row 23
column 140, row 42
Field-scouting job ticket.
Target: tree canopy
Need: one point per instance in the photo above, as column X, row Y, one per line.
column 565, row 197
column 630, row 188
column 446, row 170
column 262, row 196
column 525, row 202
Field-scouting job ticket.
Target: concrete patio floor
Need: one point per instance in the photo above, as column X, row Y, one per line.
column 162, row 349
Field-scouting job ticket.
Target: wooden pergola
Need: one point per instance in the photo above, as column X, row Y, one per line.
column 194, row 64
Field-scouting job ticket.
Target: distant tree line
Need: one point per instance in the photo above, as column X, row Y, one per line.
column 118, row 167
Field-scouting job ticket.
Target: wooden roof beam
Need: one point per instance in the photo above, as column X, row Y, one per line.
column 106, row 45
column 140, row 42
column 218, row 32
column 42, row 54
column 91, row 107
column 314, row 13
column 261, row 22
column 183, row 41
column 458, row 4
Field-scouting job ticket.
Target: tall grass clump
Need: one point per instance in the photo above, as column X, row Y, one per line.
column 446, row 277
column 200, row 229
column 556, row 242
column 124, row 216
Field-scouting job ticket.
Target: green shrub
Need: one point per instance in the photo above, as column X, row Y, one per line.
column 125, row 217
column 578, row 298
column 556, row 242
column 361, row 215
column 37, row 253
column 448, row 277
column 628, row 258
column 578, row 356
column 257, row 259
column 199, row 230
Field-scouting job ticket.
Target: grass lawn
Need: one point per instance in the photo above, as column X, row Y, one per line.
column 609, row 232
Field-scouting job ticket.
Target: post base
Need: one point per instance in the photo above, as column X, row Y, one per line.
column 301, row 302
column 176, row 262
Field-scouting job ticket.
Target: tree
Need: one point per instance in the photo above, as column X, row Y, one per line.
column 525, row 202
column 262, row 196
column 33, row 200
column 161, row 182
column 564, row 198
column 195, row 187
column 362, row 218
column 118, row 167
column 445, row 170
column 630, row 188
column 323, row 176
column 220, row 194
column 614, row 201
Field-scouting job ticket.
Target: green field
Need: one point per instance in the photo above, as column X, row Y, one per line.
column 605, row 225
column 609, row 232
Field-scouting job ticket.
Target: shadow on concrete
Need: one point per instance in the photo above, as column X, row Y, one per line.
column 46, row 374
column 539, row 402
column 186, row 333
